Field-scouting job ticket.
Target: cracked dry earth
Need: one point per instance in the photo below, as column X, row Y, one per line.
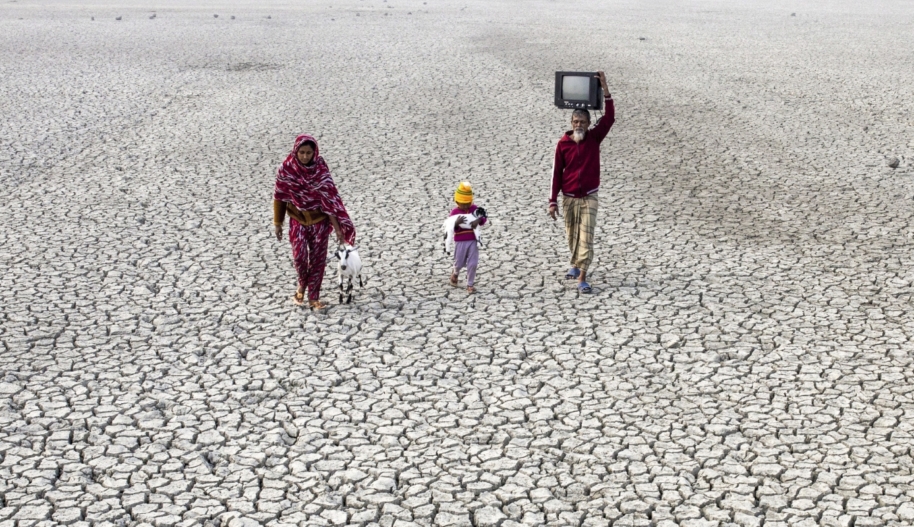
column 746, row 358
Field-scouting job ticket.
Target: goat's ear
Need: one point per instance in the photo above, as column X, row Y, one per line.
column 356, row 248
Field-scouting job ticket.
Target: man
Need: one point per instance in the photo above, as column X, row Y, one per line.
column 576, row 174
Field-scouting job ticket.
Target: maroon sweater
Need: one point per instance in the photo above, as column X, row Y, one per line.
column 576, row 171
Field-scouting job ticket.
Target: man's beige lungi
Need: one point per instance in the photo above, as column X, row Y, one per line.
column 580, row 222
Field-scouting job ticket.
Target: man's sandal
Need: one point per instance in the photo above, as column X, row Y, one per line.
column 299, row 298
column 317, row 305
column 453, row 280
column 470, row 290
column 585, row 288
column 573, row 274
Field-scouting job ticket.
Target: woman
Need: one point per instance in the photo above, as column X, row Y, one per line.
column 305, row 190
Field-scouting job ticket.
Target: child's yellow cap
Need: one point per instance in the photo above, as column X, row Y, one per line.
column 464, row 193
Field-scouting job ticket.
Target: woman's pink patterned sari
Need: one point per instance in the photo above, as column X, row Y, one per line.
column 311, row 187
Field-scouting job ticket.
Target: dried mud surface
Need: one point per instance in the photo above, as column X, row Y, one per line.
column 745, row 359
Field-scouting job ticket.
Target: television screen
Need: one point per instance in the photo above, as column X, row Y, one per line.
column 575, row 88
column 578, row 90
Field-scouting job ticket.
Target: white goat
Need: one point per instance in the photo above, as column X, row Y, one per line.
column 350, row 266
column 450, row 225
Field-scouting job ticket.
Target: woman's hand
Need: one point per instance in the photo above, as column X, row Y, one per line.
column 278, row 229
column 475, row 223
column 336, row 230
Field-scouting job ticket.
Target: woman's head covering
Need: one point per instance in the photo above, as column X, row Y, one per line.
column 311, row 187
column 464, row 193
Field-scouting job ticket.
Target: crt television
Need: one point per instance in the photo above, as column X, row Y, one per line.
column 578, row 89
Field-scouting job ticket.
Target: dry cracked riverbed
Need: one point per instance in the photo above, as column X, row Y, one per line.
column 746, row 358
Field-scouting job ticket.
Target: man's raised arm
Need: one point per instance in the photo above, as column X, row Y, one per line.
column 609, row 117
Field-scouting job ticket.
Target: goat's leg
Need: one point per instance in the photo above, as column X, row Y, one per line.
column 360, row 281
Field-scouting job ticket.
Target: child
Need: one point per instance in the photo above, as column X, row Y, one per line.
column 466, row 253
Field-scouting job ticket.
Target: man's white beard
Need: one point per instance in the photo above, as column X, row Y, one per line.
column 578, row 135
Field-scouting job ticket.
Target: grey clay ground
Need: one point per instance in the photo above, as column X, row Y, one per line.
column 746, row 358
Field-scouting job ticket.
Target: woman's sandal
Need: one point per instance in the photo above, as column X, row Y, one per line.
column 573, row 274
column 453, row 280
column 299, row 298
column 317, row 305
column 585, row 288
column 471, row 290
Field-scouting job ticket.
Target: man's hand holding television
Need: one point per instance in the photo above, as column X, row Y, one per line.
column 603, row 85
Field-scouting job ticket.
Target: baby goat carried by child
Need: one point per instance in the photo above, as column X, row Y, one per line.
column 350, row 266
column 466, row 220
